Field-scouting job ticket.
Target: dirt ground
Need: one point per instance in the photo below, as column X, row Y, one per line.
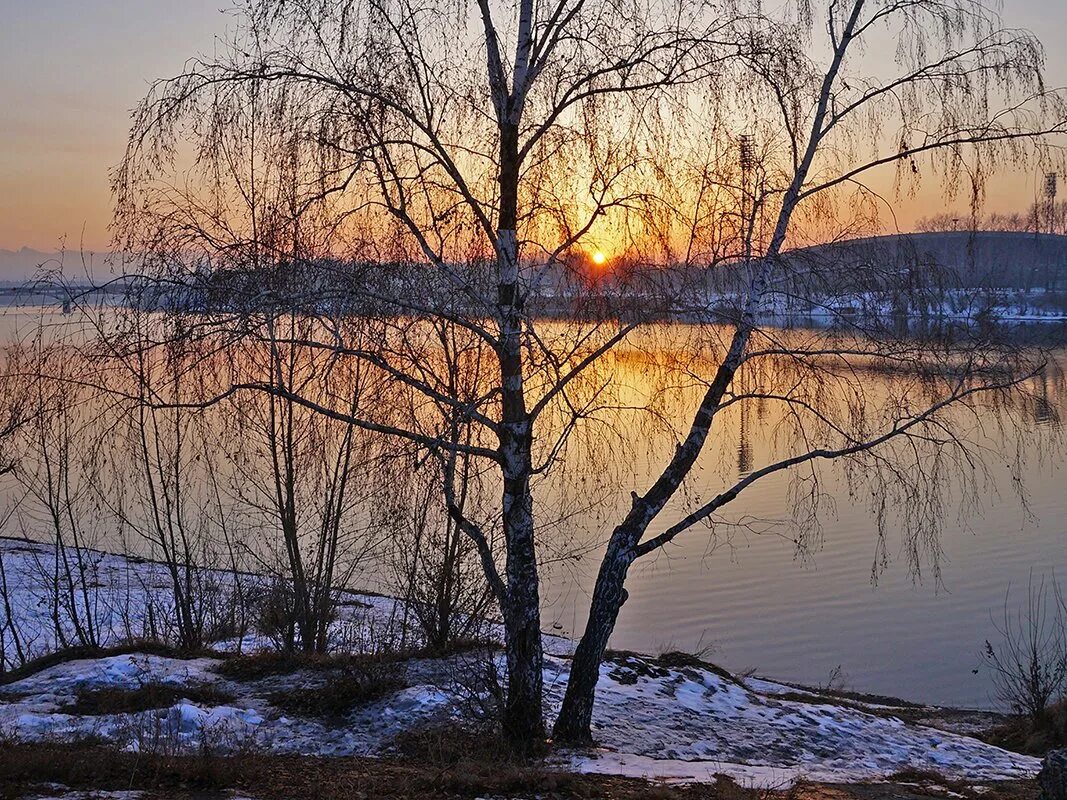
column 72, row 770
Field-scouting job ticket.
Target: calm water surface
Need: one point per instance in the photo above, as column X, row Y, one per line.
column 744, row 592
column 749, row 598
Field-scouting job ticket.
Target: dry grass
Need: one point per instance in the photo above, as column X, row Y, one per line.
column 339, row 694
column 347, row 681
column 1022, row 735
column 929, row 783
column 113, row 700
column 678, row 659
column 254, row 666
column 89, row 766
column 455, row 746
column 485, row 770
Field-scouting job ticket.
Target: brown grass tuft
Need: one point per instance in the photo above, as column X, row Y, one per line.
column 339, row 694
column 111, row 700
column 1022, row 735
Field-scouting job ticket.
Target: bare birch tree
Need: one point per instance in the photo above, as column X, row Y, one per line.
column 962, row 91
column 380, row 121
column 58, row 466
column 301, row 476
column 431, row 188
column 160, row 499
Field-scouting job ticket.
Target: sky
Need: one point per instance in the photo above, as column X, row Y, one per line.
column 71, row 70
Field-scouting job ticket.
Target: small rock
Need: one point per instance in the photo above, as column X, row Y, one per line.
column 1053, row 776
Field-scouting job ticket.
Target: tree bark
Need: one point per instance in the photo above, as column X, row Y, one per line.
column 523, row 716
column 523, row 722
column 573, row 726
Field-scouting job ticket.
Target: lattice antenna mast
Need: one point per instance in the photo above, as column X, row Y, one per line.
column 1051, row 180
column 748, row 164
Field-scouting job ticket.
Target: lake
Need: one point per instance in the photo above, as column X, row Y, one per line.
column 745, row 594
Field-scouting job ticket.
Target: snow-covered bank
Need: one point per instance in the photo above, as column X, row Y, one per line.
column 682, row 722
column 686, row 724
column 128, row 598
column 690, row 723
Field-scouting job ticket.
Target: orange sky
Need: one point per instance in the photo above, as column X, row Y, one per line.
column 70, row 70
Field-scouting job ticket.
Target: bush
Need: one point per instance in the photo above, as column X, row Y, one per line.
column 479, row 686
column 677, row 659
column 254, row 666
column 1029, row 665
column 453, row 745
column 1023, row 735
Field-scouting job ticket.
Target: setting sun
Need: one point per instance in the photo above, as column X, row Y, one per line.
column 599, row 258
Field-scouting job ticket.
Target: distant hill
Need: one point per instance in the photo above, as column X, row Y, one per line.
column 998, row 259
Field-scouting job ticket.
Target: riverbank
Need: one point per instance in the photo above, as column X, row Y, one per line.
column 670, row 719
column 673, row 719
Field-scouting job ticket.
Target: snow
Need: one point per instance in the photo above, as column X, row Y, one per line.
column 607, row 762
column 1009, row 306
column 670, row 723
column 35, row 710
column 120, row 589
column 686, row 724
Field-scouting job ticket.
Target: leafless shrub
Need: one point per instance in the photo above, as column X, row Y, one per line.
column 479, row 685
column 12, row 651
column 836, row 682
column 149, row 695
column 58, row 466
column 302, row 485
column 1029, row 664
column 436, row 565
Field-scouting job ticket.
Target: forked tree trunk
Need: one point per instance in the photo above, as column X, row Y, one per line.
column 575, row 716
